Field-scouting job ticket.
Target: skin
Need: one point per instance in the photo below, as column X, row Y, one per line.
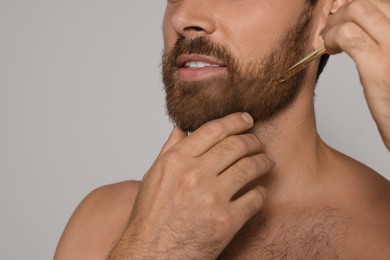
column 358, row 29
column 237, row 85
column 320, row 204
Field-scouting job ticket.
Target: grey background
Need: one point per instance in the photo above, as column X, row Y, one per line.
column 81, row 105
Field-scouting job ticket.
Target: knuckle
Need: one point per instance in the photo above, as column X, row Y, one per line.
column 208, row 199
column 242, row 178
column 350, row 36
column 173, row 158
column 347, row 31
column 247, row 165
column 169, row 163
column 215, row 128
column 237, row 143
column 191, row 180
column 222, row 219
column 220, row 223
column 362, row 8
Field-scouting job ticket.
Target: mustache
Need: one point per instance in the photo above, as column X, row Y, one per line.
column 200, row 45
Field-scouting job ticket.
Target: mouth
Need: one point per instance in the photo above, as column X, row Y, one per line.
column 197, row 67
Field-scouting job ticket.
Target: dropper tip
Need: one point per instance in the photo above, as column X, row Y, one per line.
column 282, row 80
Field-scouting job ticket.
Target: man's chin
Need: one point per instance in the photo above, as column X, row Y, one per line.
column 192, row 119
column 190, row 104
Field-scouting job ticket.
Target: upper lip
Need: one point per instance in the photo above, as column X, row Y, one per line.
column 183, row 59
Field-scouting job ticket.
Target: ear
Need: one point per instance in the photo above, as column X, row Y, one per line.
column 323, row 12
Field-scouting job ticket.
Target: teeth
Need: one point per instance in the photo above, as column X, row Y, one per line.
column 199, row 64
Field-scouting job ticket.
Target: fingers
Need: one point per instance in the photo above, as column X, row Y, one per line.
column 348, row 37
column 366, row 15
column 243, row 172
column 361, row 28
column 215, row 131
column 248, row 205
column 230, row 150
column 358, row 28
column 176, row 136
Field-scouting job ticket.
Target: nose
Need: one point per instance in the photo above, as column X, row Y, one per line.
column 193, row 18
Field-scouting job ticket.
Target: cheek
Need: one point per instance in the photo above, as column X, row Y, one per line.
column 169, row 34
column 255, row 32
column 250, row 38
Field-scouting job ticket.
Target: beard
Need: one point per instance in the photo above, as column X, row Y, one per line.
column 255, row 88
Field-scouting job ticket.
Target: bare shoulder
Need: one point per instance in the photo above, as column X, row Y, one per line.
column 364, row 196
column 359, row 180
column 98, row 222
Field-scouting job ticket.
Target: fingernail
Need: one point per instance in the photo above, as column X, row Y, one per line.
column 247, row 117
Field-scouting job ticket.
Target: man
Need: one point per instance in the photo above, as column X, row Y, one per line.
column 252, row 138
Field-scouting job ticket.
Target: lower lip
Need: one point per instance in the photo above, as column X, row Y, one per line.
column 191, row 74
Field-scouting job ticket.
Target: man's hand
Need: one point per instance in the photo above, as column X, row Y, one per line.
column 361, row 28
column 185, row 207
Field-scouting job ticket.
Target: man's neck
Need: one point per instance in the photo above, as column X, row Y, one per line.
column 292, row 139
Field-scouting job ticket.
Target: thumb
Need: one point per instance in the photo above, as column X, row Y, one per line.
column 176, row 136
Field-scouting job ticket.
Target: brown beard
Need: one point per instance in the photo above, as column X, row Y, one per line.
column 253, row 88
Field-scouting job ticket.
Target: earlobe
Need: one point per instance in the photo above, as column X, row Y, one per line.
column 327, row 9
column 321, row 16
column 337, row 4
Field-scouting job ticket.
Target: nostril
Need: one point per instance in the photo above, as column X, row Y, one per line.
column 194, row 28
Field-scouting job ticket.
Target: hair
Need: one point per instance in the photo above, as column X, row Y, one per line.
column 325, row 57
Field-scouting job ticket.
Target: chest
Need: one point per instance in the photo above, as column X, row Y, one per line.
column 289, row 236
